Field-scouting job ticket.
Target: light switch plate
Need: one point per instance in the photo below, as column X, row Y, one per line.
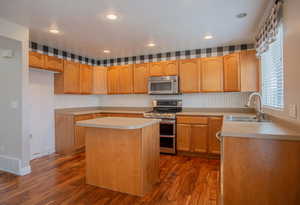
column 293, row 111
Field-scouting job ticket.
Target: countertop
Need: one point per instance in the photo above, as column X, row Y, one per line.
column 276, row 129
column 118, row 123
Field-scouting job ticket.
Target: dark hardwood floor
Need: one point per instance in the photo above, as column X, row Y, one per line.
column 59, row 179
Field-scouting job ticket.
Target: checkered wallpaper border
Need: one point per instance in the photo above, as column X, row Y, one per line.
column 62, row 54
column 187, row 54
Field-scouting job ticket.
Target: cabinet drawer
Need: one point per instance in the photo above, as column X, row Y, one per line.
column 192, row 120
column 83, row 117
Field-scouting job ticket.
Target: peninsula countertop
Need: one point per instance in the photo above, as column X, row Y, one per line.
column 118, row 123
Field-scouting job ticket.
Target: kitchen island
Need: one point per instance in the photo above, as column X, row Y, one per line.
column 122, row 154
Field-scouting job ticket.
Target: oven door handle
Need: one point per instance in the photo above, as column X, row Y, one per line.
column 168, row 122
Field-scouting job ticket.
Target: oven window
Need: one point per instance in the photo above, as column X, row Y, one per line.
column 161, row 86
column 167, row 129
column 167, row 142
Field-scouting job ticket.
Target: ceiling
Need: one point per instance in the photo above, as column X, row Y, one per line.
column 171, row 24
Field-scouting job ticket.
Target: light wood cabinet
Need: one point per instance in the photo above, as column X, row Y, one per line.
column 215, row 125
column 69, row 81
column 36, row 60
column 192, row 134
column 189, row 72
column 99, row 80
column 79, row 137
column 113, row 80
column 199, row 139
column 45, row 62
column 197, row 134
column 171, row 67
column 249, row 71
column 212, row 74
column 86, row 79
column 156, row 69
column 126, row 79
column 54, row 63
column 140, row 78
column 232, row 73
column 164, row 68
column 184, row 137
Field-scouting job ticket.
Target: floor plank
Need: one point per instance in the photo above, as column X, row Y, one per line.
column 59, row 179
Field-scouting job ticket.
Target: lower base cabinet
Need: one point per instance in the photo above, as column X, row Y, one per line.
column 198, row 134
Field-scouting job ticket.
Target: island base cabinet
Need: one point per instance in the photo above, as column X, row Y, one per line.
column 123, row 160
column 260, row 171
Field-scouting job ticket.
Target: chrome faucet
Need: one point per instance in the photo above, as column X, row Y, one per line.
column 259, row 114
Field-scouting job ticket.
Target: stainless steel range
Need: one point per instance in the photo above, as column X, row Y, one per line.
column 166, row 111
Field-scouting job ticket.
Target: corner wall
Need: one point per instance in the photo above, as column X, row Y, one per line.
column 15, row 150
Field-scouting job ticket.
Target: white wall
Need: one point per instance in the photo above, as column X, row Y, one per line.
column 203, row 100
column 14, row 135
column 291, row 52
column 42, row 105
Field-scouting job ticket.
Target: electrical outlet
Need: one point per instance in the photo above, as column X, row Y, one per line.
column 293, row 111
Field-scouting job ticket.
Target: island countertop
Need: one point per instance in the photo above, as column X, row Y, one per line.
column 118, row 123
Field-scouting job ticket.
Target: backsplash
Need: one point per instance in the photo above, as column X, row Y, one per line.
column 187, row 54
column 195, row 100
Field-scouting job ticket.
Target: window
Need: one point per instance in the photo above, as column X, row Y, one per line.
column 272, row 73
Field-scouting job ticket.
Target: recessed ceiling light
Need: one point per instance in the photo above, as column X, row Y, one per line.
column 208, row 37
column 55, row 31
column 241, row 15
column 151, row 44
column 106, row 51
column 111, row 16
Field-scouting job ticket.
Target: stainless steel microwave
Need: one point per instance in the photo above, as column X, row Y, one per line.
column 163, row 85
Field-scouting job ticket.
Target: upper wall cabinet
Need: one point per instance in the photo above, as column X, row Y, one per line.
column 99, row 80
column 164, row 68
column 232, row 73
column 86, row 79
column 126, row 79
column 113, row 80
column 36, row 60
column 189, row 73
column 140, row 78
column 249, row 71
column 41, row 61
column 68, row 82
column 212, row 74
column 120, row 79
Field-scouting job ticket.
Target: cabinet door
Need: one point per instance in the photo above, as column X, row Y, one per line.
column 141, row 75
column 36, row 60
column 86, row 79
column 170, row 67
column 126, row 79
column 54, row 63
column 113, row 80
column 199, row 138
column 249, row 71
column 189, row 72
column 71, row 77
column 215, row 125
column 99, row 80
column 184, row 132
column 79, row 137
column 156, row 69
column 212, row 74
column 232, row 79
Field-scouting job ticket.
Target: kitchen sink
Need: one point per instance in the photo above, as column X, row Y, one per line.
column 245, row 119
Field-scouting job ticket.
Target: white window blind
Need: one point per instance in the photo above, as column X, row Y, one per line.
column 272, row 73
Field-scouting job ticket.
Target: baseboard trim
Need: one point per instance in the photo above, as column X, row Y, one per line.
column 13, row 165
